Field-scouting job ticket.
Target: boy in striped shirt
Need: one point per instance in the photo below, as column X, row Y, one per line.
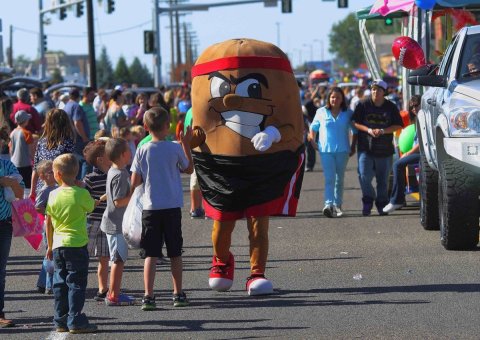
column 95, row 183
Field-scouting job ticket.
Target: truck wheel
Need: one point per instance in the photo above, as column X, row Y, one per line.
column 428, row 188
column 458, row 190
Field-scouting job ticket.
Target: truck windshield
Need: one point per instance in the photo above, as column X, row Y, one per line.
column 470, row 66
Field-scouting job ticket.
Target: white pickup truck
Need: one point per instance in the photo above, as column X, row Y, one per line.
column 448, row 128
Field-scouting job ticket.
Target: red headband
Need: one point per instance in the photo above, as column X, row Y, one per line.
column 275, row 63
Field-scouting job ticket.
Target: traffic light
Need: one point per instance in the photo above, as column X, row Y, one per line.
column 286, row 6
column 148, row 42
column 63, row 10
column 342, row 3
column 110, row 6
column 79, row 11
column 44, row 42
column 388, row 21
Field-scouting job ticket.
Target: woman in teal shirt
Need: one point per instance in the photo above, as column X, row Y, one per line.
column 333, row 123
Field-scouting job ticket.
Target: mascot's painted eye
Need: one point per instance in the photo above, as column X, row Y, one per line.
column 249, row 88
column 219, row 87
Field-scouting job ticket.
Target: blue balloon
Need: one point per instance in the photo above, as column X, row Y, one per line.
column 425, row 4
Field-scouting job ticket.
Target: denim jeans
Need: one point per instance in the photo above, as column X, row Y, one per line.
column 69, row 286
column 5, row 242
column 334, row 165
column 45, row 280
column 379, row 167
column 398, row 189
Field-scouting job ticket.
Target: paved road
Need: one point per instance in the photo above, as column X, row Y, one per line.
column 410, row 287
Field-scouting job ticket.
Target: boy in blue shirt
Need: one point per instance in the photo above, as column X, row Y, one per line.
column 158, row 164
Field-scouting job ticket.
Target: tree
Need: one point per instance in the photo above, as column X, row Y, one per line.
column 345, row 40
column 121, row 73
column 104, row 70
column 139, row 74
column 56, row 76
column 148, row 76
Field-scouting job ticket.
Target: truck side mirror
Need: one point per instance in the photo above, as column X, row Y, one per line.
column 425, row 76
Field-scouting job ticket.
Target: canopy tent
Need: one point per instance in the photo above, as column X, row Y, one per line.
column 457, row 3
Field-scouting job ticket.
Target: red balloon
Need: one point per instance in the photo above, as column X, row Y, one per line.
column 408, row 53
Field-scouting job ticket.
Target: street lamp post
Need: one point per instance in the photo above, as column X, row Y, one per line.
column 278, row 34
column 179, row 8
column 311, row 50
column 322, row 56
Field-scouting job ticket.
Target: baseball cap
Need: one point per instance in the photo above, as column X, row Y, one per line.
column 380, row 83
column 22, row 116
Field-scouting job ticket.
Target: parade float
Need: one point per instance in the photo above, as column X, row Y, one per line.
column 435, row 49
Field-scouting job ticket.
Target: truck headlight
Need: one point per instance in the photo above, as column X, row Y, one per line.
column 465, row 121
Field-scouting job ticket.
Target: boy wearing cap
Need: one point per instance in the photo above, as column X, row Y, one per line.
column 376, row 119
column 22, row 147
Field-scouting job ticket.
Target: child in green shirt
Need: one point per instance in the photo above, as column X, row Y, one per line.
column 67, row 238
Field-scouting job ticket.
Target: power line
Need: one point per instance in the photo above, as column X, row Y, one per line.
column 85, row 34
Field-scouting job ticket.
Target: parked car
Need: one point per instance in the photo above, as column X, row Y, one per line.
column 10, row 86
column 448, row 127
column 63, row 87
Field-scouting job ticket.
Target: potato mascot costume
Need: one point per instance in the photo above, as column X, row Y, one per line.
column 248, row 148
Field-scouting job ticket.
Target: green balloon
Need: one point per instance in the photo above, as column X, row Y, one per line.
column 405, row 141
column 188, row 120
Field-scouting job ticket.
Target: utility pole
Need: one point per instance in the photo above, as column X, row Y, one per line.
column 172, row 46
column 177, row 31
column 91, row 46
column 278, row 34
column 1, row 44
column 41, row 47
column 157, row 11
column 158, row 57
column 10, row 50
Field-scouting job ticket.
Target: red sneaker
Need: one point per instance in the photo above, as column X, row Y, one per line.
column 257, row 284
column 221, row 274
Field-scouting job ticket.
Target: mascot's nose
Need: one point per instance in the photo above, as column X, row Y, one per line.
column 232, row 101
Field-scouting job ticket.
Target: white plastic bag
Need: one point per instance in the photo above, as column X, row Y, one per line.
column 132, row 219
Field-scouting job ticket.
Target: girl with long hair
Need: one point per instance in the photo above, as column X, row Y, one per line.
column 58, row 138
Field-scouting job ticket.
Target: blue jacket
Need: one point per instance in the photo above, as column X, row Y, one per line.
column 333, row 132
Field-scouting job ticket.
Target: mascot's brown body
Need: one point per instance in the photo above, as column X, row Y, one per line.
column 248, row 148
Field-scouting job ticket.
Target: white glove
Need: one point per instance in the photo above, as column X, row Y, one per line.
column 263, row 140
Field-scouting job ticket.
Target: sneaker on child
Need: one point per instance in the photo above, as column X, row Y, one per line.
column 100, row 296
column 148, row 303
column 180, row 300
column 121, row 300
column 197, row 213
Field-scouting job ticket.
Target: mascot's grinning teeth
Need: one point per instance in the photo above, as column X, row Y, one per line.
column 244, row 123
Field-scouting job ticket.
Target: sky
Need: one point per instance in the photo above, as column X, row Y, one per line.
column 302, row 34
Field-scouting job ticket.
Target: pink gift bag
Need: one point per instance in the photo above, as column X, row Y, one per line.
column 25, row 219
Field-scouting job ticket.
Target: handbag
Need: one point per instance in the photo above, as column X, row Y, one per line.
column 25, row 219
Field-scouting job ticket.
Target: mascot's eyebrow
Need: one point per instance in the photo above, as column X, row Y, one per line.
column 258, row 76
